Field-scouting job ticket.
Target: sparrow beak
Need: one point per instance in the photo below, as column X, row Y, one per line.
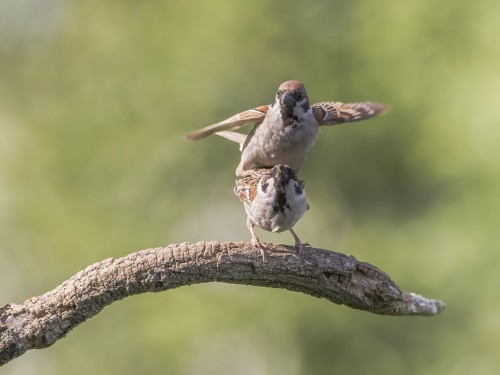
column 281, row 172
column 288, row 99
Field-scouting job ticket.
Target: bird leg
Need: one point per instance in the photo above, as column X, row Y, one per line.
column 299, row 246
column 255, row 240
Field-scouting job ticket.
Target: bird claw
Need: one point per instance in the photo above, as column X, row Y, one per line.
column 298, row 247
column 263, row 249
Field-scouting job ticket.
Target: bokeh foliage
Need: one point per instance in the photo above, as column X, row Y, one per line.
column 95, row 97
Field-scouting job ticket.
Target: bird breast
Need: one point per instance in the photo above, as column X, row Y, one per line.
column 272, row 143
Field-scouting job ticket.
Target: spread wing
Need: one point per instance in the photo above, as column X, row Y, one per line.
column 255, row 116
column 334, row 113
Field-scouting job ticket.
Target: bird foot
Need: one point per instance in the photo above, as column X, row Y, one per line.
column 263, row 249
column 298, row 247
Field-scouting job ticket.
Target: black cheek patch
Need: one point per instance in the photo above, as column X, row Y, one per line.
column 298, row 190
column 264, row 186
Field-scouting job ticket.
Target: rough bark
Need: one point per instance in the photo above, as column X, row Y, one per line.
column 41, row 321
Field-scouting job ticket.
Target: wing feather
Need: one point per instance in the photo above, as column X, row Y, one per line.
column 239, row 138
column 246, row 188
column 247, row 185
column 334, row 113
column 255, row 116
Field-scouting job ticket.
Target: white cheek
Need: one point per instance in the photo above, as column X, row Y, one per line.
column 302, row 196
column 304, row 102
column 292, row 193
column 269, row 190
column 299, row 110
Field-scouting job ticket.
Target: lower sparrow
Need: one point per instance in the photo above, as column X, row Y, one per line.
column 274, row 200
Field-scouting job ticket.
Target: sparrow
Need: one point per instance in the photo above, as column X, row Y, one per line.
column 285, row 131
column 274, row 200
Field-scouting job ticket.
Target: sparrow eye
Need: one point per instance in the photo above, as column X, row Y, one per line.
column 299, row 96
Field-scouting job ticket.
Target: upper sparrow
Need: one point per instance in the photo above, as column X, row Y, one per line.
column 285, row 131
column 274, row 200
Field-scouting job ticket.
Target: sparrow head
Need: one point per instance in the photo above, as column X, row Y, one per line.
column 292, row 92
column 293, row 100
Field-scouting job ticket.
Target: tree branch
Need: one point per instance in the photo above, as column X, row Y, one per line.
column 41, row 321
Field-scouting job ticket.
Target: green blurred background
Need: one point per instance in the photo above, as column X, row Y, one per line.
column 95, row 97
